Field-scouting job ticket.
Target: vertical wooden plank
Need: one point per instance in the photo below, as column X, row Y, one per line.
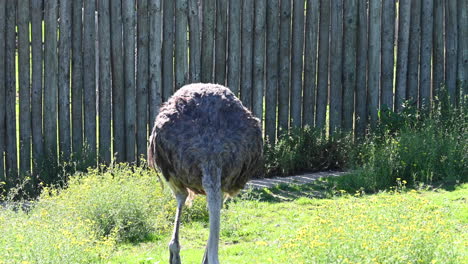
column 128, row 15
column 413, row 53
column 336, row 66
column 284, row 65
column 168, row 49
column 375, row 9
column 2, row 87
column 209, row 15
column 259, row 58
column 195, row 41
column 360, row 118
column 180, row 53
column 322, row 81
column 234, row 46
column 247, row 52
column 350, row 17
column 24, row 88
column 438, row 64
column 50, row 83
column 310, row 62
column 297, row 47
column 89, row 77
column 155, row 70
column 272, row 59
column 142, row 78
column 118, row 82
column 404, row 19
column 220, row 41
column 388, row 52
column 426, row 52
column 77, row 76
column 105, row 82
column 462, row 67
column 451, row 41
column 64, row 79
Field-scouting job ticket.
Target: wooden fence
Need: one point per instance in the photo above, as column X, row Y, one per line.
column 94, row 72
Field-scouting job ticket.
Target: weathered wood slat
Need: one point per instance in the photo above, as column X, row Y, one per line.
column 77, row 76
column 462, row 67
column 50, row 83
column 142, row 78
column 322, row 81
column 360, row 118
column 451, row 51
column 350, row 18
column 310, row 62
column 129, row 22
column 258, row 81
column 438, row 60
column 388, row 52
column 64, row 46
column 404, row 19
column 234, row 46
column 23, row 17
column 2, row 87
column 105, row 83
column 375, row 9
column 155, row 70
column 89, row 77
column 168, row 49
column 336, row 65
column 195, row 41
column 207, row 52
column 413, row 53
column 180, row 53
column 284, row 66
column 272, row 67
column 297, row 47
column 118, row 82
column 426, row 52
column 220, row 41
column 247, row 52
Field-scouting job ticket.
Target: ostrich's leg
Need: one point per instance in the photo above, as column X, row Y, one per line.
column 214, row 195
column 174, row 246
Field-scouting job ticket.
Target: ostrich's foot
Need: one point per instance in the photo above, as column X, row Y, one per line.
column 174, row 252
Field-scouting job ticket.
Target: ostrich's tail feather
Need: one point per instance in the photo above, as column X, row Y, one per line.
column 151, row 158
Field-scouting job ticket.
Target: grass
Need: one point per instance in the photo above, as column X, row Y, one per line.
column 121, row 215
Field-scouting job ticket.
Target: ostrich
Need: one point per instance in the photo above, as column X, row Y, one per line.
column 205, row 141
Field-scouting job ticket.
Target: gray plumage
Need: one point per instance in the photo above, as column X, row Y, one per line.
column 205, row 142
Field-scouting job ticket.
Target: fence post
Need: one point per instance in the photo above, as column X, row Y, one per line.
column 451, row 41
column 336, row 65
column 247, row 52
column 360, row 120
column 272, row 59
column 259, row 59
column 388, row 52
column 438, row 63
column 180, row 51
column 234, row 46
column 128, row 15
column 350, row 18
column 24, row 88
column 284, row 66
column 404, row 20
column 105, row 83
column 310, row 62
column 64, row 46
column 50, row 83
column 375, row 10
column 2, row 88
column 208, row 28
column 462, row 67
column 413, row 53
column 142, row 78
column 297, row 47
column 155, row 70
column 220, row 42
column 77, row 76
column 426, row 53
column 168, row 49
column 323, row 52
